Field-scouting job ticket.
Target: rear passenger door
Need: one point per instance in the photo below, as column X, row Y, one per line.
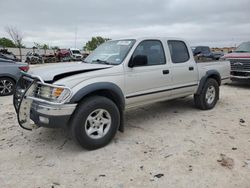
column 183, row 68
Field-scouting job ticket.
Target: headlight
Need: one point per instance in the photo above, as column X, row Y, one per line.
column 52, row 93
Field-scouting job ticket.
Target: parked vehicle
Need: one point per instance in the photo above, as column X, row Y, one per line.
column 205, row 52
column 49, row 58
column 63, row 55
column 10, row 72
column 34, row 58
column 91, row 97
column 75, row 54
column 5, row 54
column 240, row 62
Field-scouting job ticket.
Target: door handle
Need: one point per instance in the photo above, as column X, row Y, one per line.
column 165, row 71
column 191, row 68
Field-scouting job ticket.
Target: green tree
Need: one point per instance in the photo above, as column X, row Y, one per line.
column 17, row 36
column 5, row 42
column 55, row 48
column 94, row 43
column 37, row 45
column 45, row 47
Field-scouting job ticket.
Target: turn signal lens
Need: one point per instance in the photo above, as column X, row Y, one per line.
column 57, row 92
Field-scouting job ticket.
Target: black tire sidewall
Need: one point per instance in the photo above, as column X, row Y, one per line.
column 214, row 83
column 13, row 88
column 82, row 112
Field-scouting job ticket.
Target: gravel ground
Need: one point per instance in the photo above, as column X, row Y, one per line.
column 167, row 144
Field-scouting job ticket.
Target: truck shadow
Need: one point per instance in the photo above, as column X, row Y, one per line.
column 158, row 110
column 243, row 85
column 60, row 140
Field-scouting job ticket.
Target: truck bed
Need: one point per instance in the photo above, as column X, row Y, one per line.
column 223, row 67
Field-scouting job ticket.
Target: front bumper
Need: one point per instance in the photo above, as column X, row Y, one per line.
column 51, row 116
column 29, row 106
column 240, row 75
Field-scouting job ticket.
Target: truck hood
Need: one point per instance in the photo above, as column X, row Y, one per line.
column 52, row 73
column 237, row 55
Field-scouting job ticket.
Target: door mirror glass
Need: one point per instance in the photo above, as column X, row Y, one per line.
column 138, row 60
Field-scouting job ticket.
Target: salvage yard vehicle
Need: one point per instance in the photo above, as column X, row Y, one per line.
column 90, row 97
column 240, row 62
column 10, row 72
column 5, row 54
column 205, row 52
column 33, row 58
column 75, row 54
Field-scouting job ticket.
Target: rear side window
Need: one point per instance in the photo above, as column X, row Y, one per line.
column 178, row 50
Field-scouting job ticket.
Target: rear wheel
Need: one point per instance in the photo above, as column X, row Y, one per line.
column 209, row 95
column 95, row 122
column 6, row 86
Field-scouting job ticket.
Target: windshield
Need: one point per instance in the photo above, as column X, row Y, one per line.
column 244, row 47
column 110, row 52
column 76, row 52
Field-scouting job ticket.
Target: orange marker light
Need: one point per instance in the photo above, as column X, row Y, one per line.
column 57, row 92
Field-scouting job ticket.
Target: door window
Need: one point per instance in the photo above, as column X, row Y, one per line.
column 178, row 50
column 153, row 50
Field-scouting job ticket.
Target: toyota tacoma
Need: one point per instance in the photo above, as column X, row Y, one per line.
column 90, row 97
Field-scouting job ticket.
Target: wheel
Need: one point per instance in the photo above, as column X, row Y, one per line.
column 209, row 95
column 95, row 122
column 6, row 86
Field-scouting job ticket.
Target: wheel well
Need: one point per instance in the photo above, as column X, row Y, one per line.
column 215, row 77
column 8, row 78
column 109, row 94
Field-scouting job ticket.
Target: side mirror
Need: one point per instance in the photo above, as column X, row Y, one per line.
column 138, row 60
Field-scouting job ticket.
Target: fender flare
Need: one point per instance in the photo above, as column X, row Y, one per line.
column 209, row 74
column 107, row 86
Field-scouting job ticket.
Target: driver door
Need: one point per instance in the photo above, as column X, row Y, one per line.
column 151, row 81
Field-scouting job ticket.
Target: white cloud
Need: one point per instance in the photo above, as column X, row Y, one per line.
column 215, row 23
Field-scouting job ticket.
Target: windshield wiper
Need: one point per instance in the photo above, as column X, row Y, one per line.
column 102, row 62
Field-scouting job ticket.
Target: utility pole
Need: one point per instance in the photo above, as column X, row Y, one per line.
column 75, row 35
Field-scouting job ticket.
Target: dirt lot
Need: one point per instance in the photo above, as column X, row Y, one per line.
column 167, row 144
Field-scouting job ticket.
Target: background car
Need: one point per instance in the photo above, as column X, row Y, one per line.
column 5, row 54
column 33, row 58
column 10, row 72
column 204, row 51
column 75, row 54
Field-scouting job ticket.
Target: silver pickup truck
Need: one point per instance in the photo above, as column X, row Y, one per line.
column 90, row 97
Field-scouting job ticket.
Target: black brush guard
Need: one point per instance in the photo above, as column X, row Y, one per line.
column 24, row 88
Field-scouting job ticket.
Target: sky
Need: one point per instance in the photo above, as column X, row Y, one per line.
column 70, row 23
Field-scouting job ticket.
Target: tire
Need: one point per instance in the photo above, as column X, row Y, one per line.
column 95, row 122
column 7, row 86
column 209, row 95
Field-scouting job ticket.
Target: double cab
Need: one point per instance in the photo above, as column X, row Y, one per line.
column 90, row 97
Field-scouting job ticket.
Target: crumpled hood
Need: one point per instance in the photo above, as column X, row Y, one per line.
column 61, row 70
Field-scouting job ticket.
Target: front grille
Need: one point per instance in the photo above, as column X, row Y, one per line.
column 240, row 65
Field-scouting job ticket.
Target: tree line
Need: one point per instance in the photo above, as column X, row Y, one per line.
column 16, row 41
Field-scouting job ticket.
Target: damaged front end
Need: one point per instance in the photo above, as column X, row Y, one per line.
column 33, row 91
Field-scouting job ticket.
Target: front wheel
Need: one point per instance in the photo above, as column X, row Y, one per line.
column 6, row 86
column 95, row 122
column 209, row 95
